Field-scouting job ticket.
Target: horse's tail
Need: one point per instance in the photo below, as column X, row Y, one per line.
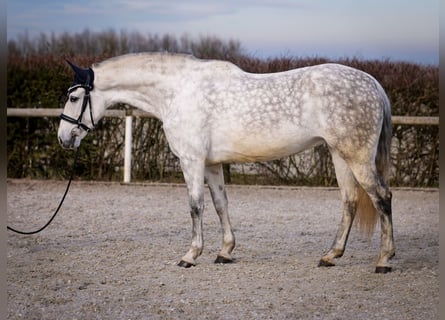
column 367, row 216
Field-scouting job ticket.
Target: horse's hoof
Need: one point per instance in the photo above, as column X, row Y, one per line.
column 185, row 264
column 324, row 263
column 221, row 259
column 382, row 269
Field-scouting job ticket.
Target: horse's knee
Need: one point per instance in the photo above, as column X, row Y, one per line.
column 196, row 205
column 195, row 211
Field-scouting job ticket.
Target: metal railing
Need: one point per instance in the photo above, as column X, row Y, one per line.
column 129, row 114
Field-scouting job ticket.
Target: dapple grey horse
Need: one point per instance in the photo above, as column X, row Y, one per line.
column 213, row 113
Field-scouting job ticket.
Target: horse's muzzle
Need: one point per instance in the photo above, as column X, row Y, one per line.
column 68, row 144
column 73, row 142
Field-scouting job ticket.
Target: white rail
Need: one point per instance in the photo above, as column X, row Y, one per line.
column 129, row 114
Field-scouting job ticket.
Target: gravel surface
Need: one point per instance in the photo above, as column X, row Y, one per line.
column 111, row 253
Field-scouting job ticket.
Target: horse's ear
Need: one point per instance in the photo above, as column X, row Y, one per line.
column 82, row 76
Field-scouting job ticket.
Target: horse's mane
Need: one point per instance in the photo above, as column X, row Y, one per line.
column 141, row 59
column 142, row 56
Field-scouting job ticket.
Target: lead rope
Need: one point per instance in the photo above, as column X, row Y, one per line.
column 58, row 208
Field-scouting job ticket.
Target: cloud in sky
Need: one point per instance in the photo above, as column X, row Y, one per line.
column 397, row 29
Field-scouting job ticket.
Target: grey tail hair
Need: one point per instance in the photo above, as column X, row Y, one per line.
column 367, row 216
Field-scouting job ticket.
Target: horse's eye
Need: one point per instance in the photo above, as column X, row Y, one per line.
column 74, row 99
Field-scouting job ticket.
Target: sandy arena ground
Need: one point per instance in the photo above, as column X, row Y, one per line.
column 111, row 253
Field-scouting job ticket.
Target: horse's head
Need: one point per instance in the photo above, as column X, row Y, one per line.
column 82, row 109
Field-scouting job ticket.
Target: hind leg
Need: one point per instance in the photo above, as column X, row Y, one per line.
column 349, row 194
column 215, row 180
column 381, row 197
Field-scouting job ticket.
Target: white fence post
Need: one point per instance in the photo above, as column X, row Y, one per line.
column 128, row 142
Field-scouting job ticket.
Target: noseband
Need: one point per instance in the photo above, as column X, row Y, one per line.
column 85, row 102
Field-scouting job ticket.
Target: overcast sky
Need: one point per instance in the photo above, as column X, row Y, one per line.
column 378, row 29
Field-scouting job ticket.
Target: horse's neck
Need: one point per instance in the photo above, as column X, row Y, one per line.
column 148, row 87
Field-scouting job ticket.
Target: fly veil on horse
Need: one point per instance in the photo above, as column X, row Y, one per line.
column 215, row 113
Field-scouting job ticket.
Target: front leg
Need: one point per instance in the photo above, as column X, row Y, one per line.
column 215, row 180
column 194, row 177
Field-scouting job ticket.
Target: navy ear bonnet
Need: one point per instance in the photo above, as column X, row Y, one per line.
column 83, row 77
